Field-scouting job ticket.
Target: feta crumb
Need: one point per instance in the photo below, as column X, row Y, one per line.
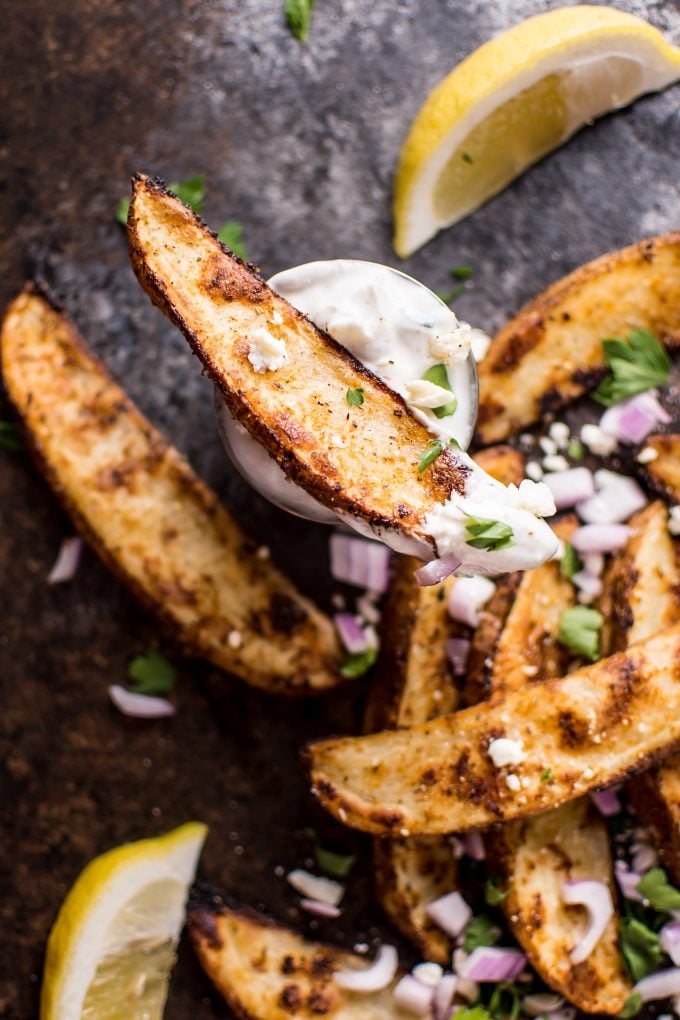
column 597, row 441
column 674, row 520
column 504, row 751
column 448, row 348
column 266, row 352
column 555, row 462
column 235, row 639
column 426, row 395
column 513, row 783
column 549, row 446
column 560, row 433
column 535, row 497
column 646, row 455
column 429, row 973
column 534, row 471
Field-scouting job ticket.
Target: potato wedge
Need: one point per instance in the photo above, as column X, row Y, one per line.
column 551, row 352
column 265, row 971
column 438, row 776
column 150, row 518
column 663, row 474
column 655, row 795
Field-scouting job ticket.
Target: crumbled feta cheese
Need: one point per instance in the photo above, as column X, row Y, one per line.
column 555, row 462
column 266, row 352
column 674, row 520
column 504, row 751
column 235, row 639
column 647, row 455
column 535, row 497
column 560, row 433
column 426, row 395
column 448, row 348
column 597, row 441
column 534, row 471
column 513, row 783
column 429, row 973
column 549, row 446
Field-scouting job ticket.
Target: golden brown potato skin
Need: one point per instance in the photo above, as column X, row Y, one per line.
column 663, row 474
column 265, row 971
column 551, row 352
column 144, row 511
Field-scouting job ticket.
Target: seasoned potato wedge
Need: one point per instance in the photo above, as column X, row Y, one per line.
column 299, row 411
column 267, row 972
column 655, row 795
column 551, row 352
column 663, row 474
column 150, row 518
column 438, row 776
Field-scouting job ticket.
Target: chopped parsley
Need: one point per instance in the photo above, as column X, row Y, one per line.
column 491, row 535
column 298, row 15
column 570, row 563
column 635, row 364
column 438, row 375
column 547, row 775
column 576, row 450
column 480, row 931
column 492, row 894
column 460, row 273
column 434, row 449
column 122, row 210
column 231, row 234
column 631, row 1006
column 355, row 398
column 332, row 863
column 358, row 663
column 476, row 1012
column 467, row 158
column 506, row 1001
column 580, row 631
column 191, row 192
column 657, row 890
column 151, row 673
column 9, row 437
column 640, row 948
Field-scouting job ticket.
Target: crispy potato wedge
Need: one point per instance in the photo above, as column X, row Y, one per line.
column 486, row 636
column 150, row 518
column 297, row 412
column 663, row 474
column 655, row 795
column 267, row 972
column 438, row 776
column 551, row 352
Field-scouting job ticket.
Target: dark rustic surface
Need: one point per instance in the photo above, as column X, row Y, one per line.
column 299, row 144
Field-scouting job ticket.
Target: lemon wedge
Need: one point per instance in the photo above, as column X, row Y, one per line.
column 112, row 947
column 515, row 99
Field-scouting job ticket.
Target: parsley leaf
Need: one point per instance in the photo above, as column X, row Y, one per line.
column 631, row 1006
column 9, row 437
column 358, row 663
column 477, row 1012
column 498, row 1003
column 480, row 931
column 657, row 890
column 231, row 234
column 491, row 535
column 151, row 673
column 492, row 894
column 580, row 631
column 460, row 273
column 122, row 210
column 576, row 450
column 636, row 364
column 434, row 449
column 332, row 863
column 298, row 14
column 355, row 398
column 438, row 375
column 570, row 563
column 547, row 775
column 640, row 948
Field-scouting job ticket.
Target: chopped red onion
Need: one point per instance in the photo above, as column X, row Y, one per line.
column 571, row 486
column 436, row 571
column 541, row 1003
column 566, row 1013
column 413, row 996
column 351, row 633
column 450, row 913
column 599, row 538
column 359, row 562
column 442, row 1000
column 474, row 846
column 597, row 900
column 319, row 908
column 606, row 802
column 493, row 963
column 618, row 498
column 627, row 881
column 379, row 975
column 67, row 561
column 661, row 985
column 670, row 941
column 313, row 887
column 632, row 420
column 589, row 584
column 458, row 651
column 140, row 706
column 467, row 596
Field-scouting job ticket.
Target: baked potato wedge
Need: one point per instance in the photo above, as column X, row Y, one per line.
column 265, row 971
column 551, row 352
column 438, row 776
column 655, row 795
column 148, row 516
column 663, row 474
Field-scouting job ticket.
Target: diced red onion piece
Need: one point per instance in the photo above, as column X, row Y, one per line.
column 374, row 978
column 541, row 1003
column 599, row 538
column 606, row 802
column 436, row 571
column 590, row 584
column 359, row 562
column 571, row 486
column 632, row 420
column 615, row 502
column 597, row 900
column 450, row 913
column 627, row 881
column 313, row 887
column 351, row 633
column 661, row 985
column 467, row 596
column 566, row 1013
column 670, row 941
column 413, row 996
column 458, row 651
column 140, row 706
column 474, row 846
column 67, row 561
column 319, row 908
column 493, row 963
column 442, row 999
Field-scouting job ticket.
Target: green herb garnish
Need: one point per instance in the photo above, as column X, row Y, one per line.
column 438, row 375
column 332, row 863
column 231, row 234
column 151, row 673
column 491, row 535
column 298, row 14
column 358, row 663
column 570, row 563
column 547, row 775
column 9, row 437
column 122, row 210
column 636, row 364
column 480, row 931
column 580, row 631
column 657, row 890
column 631, row 1006
column 460, row 273
column 355, row 398
column 477, row 1012
column 434, row 449
column 467, row 158
column 640, row 948
column 500, row 1007
column 492, row 894
column 576, row 450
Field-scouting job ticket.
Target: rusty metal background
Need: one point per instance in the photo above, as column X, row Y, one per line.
column 299, row 144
